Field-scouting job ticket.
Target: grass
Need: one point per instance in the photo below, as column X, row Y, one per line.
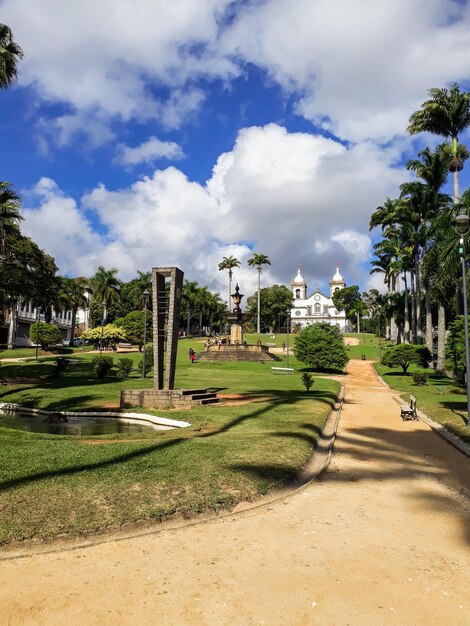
column 61, row 485
column 442, row 399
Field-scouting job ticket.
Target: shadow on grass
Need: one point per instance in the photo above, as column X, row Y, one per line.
column 287, row 398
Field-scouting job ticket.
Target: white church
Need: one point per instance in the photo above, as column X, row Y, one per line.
column 317, row 307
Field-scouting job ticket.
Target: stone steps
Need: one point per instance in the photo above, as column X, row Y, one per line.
column 234, row 356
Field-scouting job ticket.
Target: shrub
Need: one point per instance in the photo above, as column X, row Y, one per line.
column 124, row 367
column 420, row 378
column 321, row 347
column 59, row 366
column 44, row 334
column 404, row 355
column 307, row 380
column 101, row 364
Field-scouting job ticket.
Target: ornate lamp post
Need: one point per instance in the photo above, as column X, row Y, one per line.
column 461, row 223
column 144, row 364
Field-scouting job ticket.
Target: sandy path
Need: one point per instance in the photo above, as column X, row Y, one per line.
column 383, row 538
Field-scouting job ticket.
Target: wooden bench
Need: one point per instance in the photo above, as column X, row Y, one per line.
column 124, row 345
column 270, row 345
column 409, row 412
column 282, row 370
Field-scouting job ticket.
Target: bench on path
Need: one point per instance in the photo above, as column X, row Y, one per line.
column 124, row 345
column 270, row 345
column 409, row 412
column 282, row 370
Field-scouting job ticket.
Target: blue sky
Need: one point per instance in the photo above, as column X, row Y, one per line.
column 157, row 133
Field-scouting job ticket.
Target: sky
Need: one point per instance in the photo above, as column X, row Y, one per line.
column 158, row 133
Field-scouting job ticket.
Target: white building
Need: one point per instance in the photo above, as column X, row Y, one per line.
column 317, row 307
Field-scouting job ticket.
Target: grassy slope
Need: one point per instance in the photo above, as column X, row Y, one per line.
column 62, row 485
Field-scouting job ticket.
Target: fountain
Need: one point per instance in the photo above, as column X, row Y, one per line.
column 235, row 347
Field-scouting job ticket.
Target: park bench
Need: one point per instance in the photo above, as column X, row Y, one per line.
column 409, row 412
column 124, row 345
column 270, row 345
column 282, row 370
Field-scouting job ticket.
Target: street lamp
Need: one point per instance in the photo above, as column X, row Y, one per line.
column 102, row 326
column 461, row 223
column 146, row 295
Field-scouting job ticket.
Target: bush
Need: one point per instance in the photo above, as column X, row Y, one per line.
column 59, row 366
column 321, row 347
column 420, row 378
column 307, row 380
column 124, row 367
column 102, row 364
column 404, row 355
column 45, row 334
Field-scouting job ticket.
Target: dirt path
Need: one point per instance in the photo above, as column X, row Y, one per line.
column 383, row 538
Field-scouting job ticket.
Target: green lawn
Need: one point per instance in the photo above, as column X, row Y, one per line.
column 442, row 399
column 62, row 485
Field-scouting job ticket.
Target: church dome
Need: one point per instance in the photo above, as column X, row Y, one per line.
column 299, row 279
column 337, row 278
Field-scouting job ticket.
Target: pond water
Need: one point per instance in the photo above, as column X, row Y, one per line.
column 86, row 425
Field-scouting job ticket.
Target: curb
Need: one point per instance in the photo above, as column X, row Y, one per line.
column 318, row 462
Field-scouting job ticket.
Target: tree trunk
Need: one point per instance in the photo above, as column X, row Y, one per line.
column 419, row 329
column 441, row 338
column 200, row 323
column 393, row 324
column 413, row 338
column 406, row 337
column 188, row 324
column 456, row 188
column 258, row 325
column 229, row 289
column 72, row 330
column 11, row 342
column 429, row 342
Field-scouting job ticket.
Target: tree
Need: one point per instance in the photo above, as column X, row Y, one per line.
column 10, row 54
column 10, row 217
column 350, row 301
column 44, row 334
column 189, row 297
column 321, row 347
column 446, row 113
column 134, row 327
column 404, row 355
column 110, row 332
column 258, row 260
column 73, row 298
column 275, row 301
column 105, row 287
column 455, row 346
column 228, row 263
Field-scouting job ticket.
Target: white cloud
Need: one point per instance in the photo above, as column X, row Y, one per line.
column 148, row 151
column 357, row 68
column 292, row 196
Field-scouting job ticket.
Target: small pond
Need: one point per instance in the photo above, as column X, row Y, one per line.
column 86, row 425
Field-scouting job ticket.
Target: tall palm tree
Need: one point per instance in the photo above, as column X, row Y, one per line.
column 10, row 204
column 228, row 263
column 446, row 113
column 73, row 298
column 10, row 54
column 258, row 260
column 105, row 288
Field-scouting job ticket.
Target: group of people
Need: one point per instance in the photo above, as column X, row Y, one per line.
column 192, row 355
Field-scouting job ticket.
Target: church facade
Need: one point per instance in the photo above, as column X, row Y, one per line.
column 317, row 307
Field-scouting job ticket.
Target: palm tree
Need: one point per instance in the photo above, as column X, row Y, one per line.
column 447, row 114
column 105, row 288
column 189, row 296
column 10, row 54
column 228, row 263
column 73, row 298
column 258, row 260
column 10, row 203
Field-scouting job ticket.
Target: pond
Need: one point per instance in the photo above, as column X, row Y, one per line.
column 86, row 425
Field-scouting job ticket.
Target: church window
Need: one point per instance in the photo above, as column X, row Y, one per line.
column 325, row 309
column 317, row 309
column 297, row 293
column 309, row 310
